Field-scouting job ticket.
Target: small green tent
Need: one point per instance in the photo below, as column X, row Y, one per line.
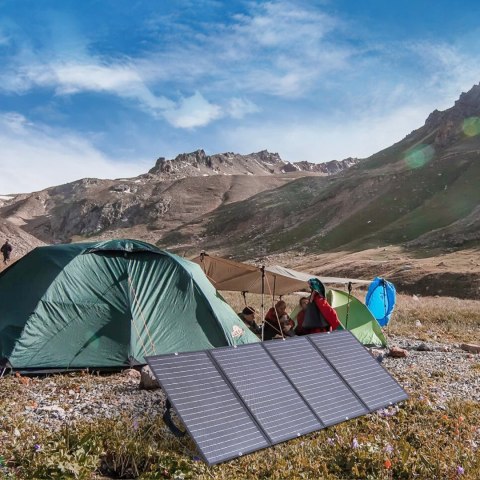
column 360, row 321
column 108, row 304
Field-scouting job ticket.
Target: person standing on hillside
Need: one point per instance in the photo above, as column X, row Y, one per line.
column 6, row 251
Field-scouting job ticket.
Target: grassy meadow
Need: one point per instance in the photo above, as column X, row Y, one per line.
column 417, row 439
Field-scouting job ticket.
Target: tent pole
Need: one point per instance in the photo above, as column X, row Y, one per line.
column 348, row 303
column 263, row 299
column 385, row 303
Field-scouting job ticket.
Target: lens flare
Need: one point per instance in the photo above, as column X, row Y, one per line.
column 471, row 126
column 419, row 156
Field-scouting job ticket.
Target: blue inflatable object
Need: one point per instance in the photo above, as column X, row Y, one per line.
column 380, row 300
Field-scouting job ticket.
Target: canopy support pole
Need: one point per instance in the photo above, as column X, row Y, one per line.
column 244, row 295
column 274, row 284
column 202, row 256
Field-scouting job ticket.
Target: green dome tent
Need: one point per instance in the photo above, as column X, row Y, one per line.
column 108, row 304
column 359, row 321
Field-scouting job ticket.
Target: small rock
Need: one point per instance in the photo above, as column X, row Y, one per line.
column 377, row 354
column 147, row 379
column 397, row 352
column 423, row 347
column 470, row 347
column 51, row 408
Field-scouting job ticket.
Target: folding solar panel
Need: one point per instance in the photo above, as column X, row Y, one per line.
column 365, row 376
column 215, row 418
column 324, row 390
column 269, row 395
column 236, row 400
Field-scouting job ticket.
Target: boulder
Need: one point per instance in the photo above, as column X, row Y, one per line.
column 147, row 379
column 470, row 347
column 131, row 373
column 397, row 352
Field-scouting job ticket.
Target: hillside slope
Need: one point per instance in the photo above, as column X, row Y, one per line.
column 172, row 194
column 421, row 192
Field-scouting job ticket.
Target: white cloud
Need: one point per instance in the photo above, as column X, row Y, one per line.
column 319, row 140
column 240, row 107
column 452, row 70
column 90, row 75
column 34, row 157
column 193, row 112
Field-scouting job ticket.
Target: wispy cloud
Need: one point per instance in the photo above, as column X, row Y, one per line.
column 192, row 112
column 35, row 156
column 277, row 48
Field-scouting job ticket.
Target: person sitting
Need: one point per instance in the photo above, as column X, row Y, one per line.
column 248, row 316
column 278, row 323
column 318, row 299
column 303, row 303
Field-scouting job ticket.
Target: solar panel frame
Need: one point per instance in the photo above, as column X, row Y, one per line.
column 321, row 385
column 321, row 342
column 202, row 446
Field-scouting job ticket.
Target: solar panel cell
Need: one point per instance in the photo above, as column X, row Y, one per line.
column 271, row 398
column 365, row 376
column 323, row 389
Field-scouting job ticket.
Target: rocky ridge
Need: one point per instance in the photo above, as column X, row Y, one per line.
column 198, row 163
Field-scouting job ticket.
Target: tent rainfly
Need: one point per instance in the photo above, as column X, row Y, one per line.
column 357, row 318
column 108, row 304
column 234, row 276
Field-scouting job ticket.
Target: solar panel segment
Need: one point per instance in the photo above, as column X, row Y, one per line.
column 366, row 377
column 325, row 391
column 215, row 418
column 266, row 391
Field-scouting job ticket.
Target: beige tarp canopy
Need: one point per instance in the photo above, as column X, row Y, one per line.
column 241, row 277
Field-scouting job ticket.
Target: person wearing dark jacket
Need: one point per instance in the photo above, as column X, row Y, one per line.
column 6, row 251
column 317, row 297
column 248, row 316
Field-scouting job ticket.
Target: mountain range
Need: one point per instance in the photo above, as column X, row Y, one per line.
column 421, row 194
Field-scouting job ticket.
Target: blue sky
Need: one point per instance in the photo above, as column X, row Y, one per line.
column 101, row 88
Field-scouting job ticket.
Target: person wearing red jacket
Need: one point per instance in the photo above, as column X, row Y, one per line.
column 317, row 297
column 277, row 322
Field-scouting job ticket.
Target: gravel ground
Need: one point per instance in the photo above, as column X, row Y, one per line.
column 441, row 373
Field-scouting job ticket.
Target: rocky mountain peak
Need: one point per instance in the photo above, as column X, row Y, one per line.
column 198, row 163
column 450, row 123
